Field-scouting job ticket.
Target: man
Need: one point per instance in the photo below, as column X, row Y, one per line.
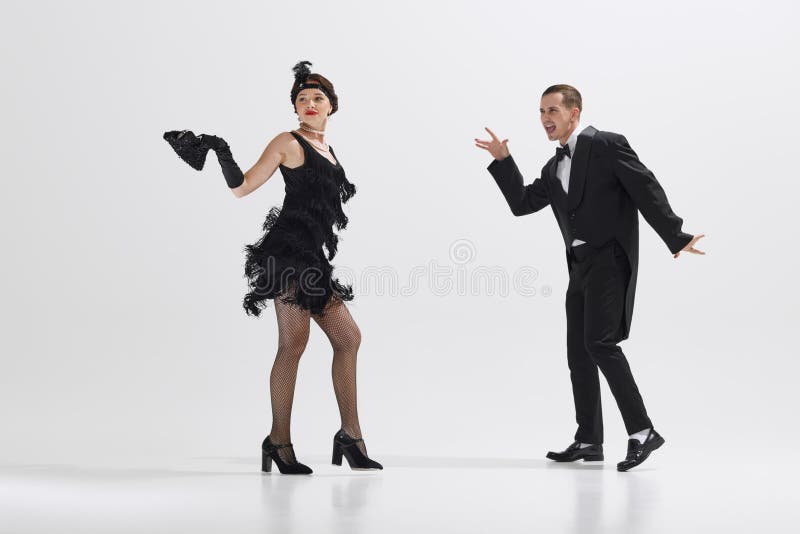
column 595, row 185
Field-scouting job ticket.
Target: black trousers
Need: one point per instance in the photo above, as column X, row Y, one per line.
column 595, row 306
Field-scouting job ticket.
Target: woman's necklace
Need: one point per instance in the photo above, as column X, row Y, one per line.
column 316, row 144
column 306, row 127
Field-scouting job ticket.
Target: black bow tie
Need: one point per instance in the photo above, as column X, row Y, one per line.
column 562, row 151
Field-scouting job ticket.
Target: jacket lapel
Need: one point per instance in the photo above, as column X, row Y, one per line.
column 580, row 164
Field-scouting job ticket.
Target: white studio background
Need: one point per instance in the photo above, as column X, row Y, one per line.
column 123, row 332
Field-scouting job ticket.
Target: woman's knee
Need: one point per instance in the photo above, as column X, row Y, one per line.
column 294, row 345
column 348, row 338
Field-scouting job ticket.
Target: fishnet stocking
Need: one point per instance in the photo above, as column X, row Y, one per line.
column 345, row 338
column 293, row 330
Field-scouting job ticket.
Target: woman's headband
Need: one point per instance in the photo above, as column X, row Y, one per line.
column 312, row 85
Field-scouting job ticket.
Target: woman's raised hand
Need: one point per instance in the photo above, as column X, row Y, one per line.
column 498, row 149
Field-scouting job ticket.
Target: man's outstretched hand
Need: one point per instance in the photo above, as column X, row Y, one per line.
column 498, row 149
column 690, row 246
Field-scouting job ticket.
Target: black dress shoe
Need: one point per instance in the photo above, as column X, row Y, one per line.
column 638, row 452
column 592, row 453
column 347, row 446
column 269, row 454
column 189, row 147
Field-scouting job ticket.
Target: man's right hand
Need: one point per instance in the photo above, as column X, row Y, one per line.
column 498, row 149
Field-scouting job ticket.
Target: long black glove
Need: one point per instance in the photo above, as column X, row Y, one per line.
column 193, row 149
column 233, row 174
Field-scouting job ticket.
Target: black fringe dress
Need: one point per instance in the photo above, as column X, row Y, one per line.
column 288, row 261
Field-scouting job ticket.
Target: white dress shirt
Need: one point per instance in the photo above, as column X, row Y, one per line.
column 564, row 167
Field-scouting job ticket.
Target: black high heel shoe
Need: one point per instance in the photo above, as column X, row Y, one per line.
column 189, row 147
column 269, row 454
column 344, row 445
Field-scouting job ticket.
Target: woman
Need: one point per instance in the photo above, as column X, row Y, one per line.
column 288, row 264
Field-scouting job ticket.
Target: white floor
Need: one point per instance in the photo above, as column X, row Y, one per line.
column 412, row 495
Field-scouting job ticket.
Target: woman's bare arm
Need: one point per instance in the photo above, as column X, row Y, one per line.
column 277, row 152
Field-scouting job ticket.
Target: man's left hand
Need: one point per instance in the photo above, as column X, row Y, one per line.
column 690, row 246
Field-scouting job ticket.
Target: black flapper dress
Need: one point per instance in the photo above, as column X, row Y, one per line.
column 288, row 261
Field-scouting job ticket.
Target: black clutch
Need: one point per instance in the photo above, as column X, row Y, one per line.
column 189, row 147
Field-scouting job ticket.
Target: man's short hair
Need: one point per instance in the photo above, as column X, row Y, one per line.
column 572, row 98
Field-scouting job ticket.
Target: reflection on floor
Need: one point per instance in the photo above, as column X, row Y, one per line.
column 413, row 494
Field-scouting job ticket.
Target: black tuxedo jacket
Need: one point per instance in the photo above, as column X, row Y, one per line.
column 607, row 185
